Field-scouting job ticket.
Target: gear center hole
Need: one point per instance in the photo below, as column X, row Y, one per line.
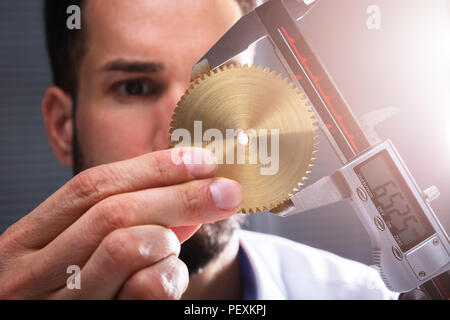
column 243, row 138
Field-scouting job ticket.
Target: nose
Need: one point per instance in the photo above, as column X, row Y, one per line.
column 164, row 114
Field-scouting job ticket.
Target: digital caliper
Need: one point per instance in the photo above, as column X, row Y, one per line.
column 410, row 247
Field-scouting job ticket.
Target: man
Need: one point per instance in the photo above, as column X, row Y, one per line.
column 122, row 218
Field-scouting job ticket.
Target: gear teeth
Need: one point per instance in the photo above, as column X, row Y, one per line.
column 316, row 143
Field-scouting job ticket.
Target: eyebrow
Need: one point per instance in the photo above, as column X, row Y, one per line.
column 133, row 66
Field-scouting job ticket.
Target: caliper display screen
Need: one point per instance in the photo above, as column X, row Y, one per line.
column 394, row 200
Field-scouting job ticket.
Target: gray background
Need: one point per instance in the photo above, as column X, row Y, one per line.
column 404, row 64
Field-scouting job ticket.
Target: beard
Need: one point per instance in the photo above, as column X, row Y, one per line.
column 200, row 249
column 208, row 243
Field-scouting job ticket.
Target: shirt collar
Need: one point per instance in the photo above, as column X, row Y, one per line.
column 259, row 283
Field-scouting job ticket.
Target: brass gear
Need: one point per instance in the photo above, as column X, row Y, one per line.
column 244, row 98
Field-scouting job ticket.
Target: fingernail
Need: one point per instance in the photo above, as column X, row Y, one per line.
column 199, row 162
column 227, row 194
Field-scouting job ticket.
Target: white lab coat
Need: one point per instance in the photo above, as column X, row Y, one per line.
column 284, row 269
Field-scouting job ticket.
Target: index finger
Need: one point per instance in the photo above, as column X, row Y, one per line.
column 65, row 206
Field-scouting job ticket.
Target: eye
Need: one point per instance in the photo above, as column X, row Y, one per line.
column 135, row 88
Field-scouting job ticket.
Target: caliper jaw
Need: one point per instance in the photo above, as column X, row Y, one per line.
column 328, row 190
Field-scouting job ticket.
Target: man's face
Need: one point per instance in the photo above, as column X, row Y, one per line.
column 139, row 55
